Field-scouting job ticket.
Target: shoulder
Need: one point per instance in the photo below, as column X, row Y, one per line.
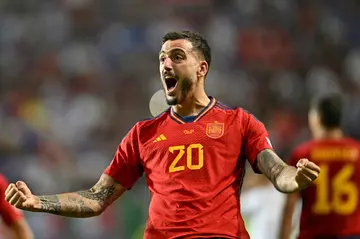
column 300, row 151
column 238, row 111
column 352, row 141
column 151, row 122
column 225, row 107
column 244, row 117
column 147, row 126
column 304, row 148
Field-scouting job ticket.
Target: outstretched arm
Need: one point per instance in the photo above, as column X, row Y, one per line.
column 285, row 178
column 86, row 203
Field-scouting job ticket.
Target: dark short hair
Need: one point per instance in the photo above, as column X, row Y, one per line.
column 198, row 42
column 330, row 109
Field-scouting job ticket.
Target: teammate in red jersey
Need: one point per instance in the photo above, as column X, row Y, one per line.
column 192, row 155
column 331, row 206
column 15, row 223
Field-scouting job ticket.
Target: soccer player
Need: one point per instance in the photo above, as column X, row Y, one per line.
column 331, row 206
column 12, row 217
column 193, row 156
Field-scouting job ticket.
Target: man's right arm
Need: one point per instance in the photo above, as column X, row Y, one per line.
column 122, row 173
column 87, row 203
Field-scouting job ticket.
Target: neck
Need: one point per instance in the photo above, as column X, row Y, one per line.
column 332, row 134
column 192, row 104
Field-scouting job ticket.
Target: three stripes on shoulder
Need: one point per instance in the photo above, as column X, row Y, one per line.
column 160, row 138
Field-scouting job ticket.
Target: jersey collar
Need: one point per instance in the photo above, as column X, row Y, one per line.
column 190, row 119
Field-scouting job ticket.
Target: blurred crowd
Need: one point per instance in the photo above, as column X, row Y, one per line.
column 75, row 75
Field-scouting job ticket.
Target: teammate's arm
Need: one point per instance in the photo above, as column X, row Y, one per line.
column 21, row 229
column 286, row 226
column 87, row 203
column 286, row 178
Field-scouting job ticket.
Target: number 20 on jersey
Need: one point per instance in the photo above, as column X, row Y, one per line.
column 184, row 157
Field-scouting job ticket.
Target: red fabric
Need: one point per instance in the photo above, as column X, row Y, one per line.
column 194, row 170
column 331, row 205
column 8, row 213
column 126, row 165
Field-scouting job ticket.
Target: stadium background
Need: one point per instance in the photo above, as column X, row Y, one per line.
column 75, row 75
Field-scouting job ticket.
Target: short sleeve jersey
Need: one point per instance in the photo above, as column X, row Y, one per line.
column 194, row 168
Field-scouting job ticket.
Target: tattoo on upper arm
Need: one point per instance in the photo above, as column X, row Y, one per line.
column 270, row 164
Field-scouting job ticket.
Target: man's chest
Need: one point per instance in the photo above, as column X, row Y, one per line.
column 196, row 149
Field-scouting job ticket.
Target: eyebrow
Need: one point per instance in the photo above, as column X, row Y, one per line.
column 174, row 49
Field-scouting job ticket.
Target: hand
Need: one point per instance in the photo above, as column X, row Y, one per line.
column 20, row 196
column 306, row 173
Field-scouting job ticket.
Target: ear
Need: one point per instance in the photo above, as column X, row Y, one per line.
column 203, row 69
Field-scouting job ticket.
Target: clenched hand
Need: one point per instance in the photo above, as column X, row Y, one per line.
column 306, row 173
column 20, row 196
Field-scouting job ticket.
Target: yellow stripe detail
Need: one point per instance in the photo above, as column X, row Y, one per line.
column 207, row 110
column 162, row 137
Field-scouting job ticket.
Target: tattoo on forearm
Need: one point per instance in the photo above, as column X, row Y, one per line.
column 78, row 204
column 278, row 172
column 270, row 165
column 50, row 204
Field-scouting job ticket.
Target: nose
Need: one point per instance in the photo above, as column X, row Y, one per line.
column 167, row 64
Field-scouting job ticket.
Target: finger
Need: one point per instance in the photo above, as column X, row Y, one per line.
column 313, row 167
column 11, row 185
column 304, row 179
column 10, row 194
column 23, row 188
column 302, row 162
column 308, row 172
column 14, row 198
column 22, row 198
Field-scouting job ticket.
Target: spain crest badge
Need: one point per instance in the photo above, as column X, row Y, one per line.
column 215, row 130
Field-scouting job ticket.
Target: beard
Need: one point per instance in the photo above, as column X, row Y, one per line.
column 186, row 86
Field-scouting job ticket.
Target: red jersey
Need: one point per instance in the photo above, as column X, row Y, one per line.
column 8, row 213
column 331, row 205
column 194, row 168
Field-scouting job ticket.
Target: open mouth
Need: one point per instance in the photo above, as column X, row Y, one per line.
column 171, row 83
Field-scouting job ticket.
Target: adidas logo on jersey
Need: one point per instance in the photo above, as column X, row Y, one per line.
column 160, row 138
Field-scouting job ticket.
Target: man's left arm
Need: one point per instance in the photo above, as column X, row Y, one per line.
column 263, row 159
column 286, row 178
